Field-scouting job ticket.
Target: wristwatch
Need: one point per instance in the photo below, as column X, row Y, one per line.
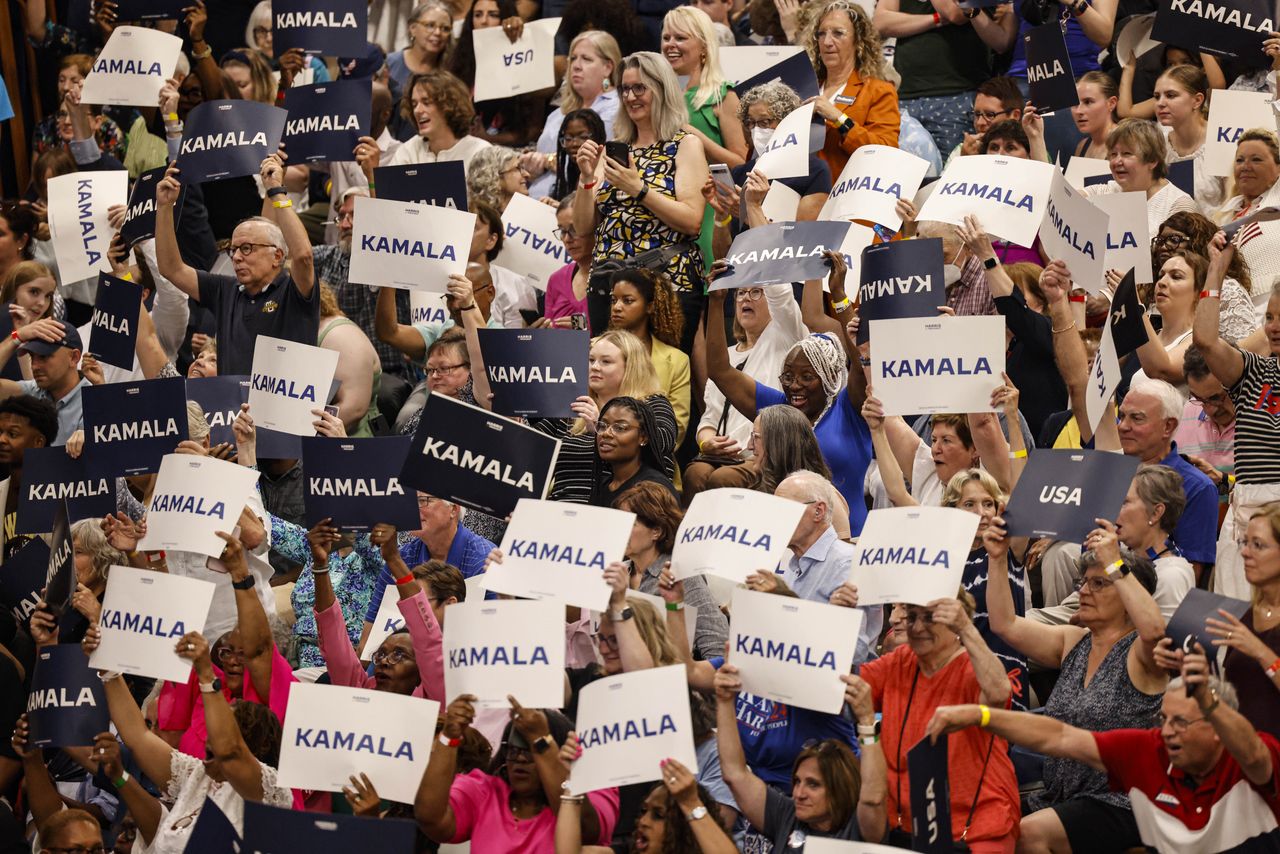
column 246, row 584
column 211, row 687
column 621, row 616
column 543, row 744
column 991, row 263
column 697, row 812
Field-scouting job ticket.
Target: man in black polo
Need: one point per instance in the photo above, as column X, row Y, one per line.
column 273, row 291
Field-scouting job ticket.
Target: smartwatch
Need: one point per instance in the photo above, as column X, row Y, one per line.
column 543, row 744
column 246, row 584
column 213, row 687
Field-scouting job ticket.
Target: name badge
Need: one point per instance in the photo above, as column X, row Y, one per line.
column 845, row 99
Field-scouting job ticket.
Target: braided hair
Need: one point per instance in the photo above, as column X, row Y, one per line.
column 648, row 423
column 829, row 362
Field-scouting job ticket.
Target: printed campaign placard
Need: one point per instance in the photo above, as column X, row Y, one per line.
column 331, row 27
column 1084, row 172
column 220, row 398
column 113, row 332
column 793, row 650
column 781, row 202
column 927, row 767
column 130, row 427
column 629, row 723
column 1007, row 194
column 1126, row 324
column 871, row 183
column 1128, row 243
column 326, row 120
column 60, row 574
column 145, row 10
column 504, row 69
column 213, row 831
column 937, row 364
column 332, row 733
column 535, row 372
column 495, row 648
column 24, row 576
column 1076, row 232
column 194, row 497
column 1232, row 28
column 67, row 706
column 554, row 550
column 428, row 308
column 855, row 242
column 463, row 454
column 144, row 613
column 140, row 213
column 440, row 184
column 781, row 252
column 408, row 245
column 787, row 153
column 78, row 226
column 1060, row 493
column 388, row 620
column 1135, row 37
column 276, row 830
column 356, row 483
column 733, row 533
column 1049, row 76
column 902, row 278
column 132, row 67
column 912, row 554
column 1232, row 113
column 289, row 380
column 228, row 139
column 51, row 476
column 530, row 245
column 1197, row 605
column 1104, row 378
column 754, row 65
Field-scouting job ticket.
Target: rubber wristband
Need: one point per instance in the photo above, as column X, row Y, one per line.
column 123, row 781
column 408, row 579
column 319, row 569
column 466, row 307
column 937, row 19
column 590, row 186
column 1018, row 455
column 986, row 716
column 287, row 203
column 1206, row 293
column 868, row 740
column 723, row 223
column 1076, row 298
column 14, row 335
column 1114, row 568
column 675, row 606
column 171, row 117
column 448, row 742
column 372, row 185
column 842, row 306
column 128, row 277
column 1273, row 669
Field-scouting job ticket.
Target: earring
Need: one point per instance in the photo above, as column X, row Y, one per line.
column 1151, row 523
column 605, row 86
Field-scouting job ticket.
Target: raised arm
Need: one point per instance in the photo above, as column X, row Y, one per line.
column 431, row 805
column 462, row 292
column 1142, row 609
column 149, row 750
column 991, row 444
column 872, row 817
column 251, row 620
column 632, row 649
column 997, row 30
column 389, row 329
column 301, row 264
column 168, row 255
column 1041, row 733
column 888, row 462
column 241, row 768
column 43, row 798
column 1232, row 728
column 738, row 388
column 993, row 681
column 1159, row 363
column 419, row 619
column 1045, row 645
column 145, row 809
column 1226, row 362
column 1068, row 349
column 683, row 212
column 748, row 789
column 590, row 157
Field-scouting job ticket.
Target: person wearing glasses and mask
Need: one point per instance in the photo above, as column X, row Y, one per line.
column 273, row 290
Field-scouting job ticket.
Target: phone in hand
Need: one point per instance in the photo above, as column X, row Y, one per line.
column 332, row 410
column 723, row 177
column 619, row 152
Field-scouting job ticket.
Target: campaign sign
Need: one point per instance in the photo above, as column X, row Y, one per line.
column 535, row 372
column 629, row 723
column 495, row 648
column 927, row 768
column 471, row 457
column 1084, row 172
column 356, row 483
column 147, row 10
column 531, row 245
column 129, row 427
column 1060, row 493
column 144, row 613
column 780, row 204
column 1232, row 113
column 289, row 380
column 781, row 252
column 326, row 120
column 132, row 67
column 1196, row 607
column 213, row 832
column 1104, row 378
column 1182, row 174
column 912, row 554
column 220, row 398
column 902, row 278
column 1232, row 28
column 937, row 364
column 78, row 225
column 140, row 214
column 23, row 577
column 1126, row 324
column 332, row 733
column 504, row 69
column 793, row 650
column 228, row 139
column 67, row 706
column 733, row 533
column 193, row 498
column 388, row 620
column 1049, row 76
column 60, row 574
column 1128, row 243
column 440, row 184
column 787, row 153
column 408, row 245
column 1076, row 232
column 856, row 240
column 113, row 332
column 11, row 370
column 428, row 309
column 331, row 27
column 51, row 476
column 1007, row 194
column 754, row 65
column 555, row 550
column 871, row 183
column 276, row 830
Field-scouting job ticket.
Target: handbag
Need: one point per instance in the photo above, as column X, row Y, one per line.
column 600, row 286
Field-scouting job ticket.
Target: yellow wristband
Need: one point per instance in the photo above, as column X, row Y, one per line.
column 128, row 277
column 986, row 716
column 723, row 223
column 287, row 203
column 171, row 117
column 1018, row 455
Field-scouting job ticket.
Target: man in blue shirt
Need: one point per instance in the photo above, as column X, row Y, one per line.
column 54, row 348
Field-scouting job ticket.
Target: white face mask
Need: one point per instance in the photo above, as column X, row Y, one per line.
column 950, row 274
column 760, row 138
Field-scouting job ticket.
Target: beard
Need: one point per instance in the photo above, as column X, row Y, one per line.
column 344, row 244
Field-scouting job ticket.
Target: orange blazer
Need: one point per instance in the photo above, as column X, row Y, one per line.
column 875, row 121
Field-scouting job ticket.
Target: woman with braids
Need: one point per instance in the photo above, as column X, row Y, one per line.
column 622, row 442
column 579, row 126
column 645, row 305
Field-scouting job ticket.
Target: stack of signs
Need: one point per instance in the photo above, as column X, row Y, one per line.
column 78, row 225
column 228, row 139
column 326, row 120
column 912, row 554
column 289, row 381
column 130, row 427
column 408, row 245
column 504, row 69
column 51, row 476
column 531, row 245
column 1230, row 28
column 275, row 830
column 1061, row 493
column 495, row 649
column 1122, row 334
column 195, row 497
column 144, row 614
column 781, row 252
column 937, row 364
column 113, row 331
column 1230, row 115
column 1074, row 231
column 356, row 483
column 787, row 153
column 733, row 533
column 140, row 216
column 132, row 67
column 754, row 65
column 67, row 706
column 902, row 278
column 1008, row 195
column 1051, row 83
column 871, row 184
column 331, row 27
column 440, row 184
column 535, row 373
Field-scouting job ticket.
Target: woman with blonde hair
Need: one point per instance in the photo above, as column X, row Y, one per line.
column 1182, row 105
column 1137, row 153
column 251, row 74
column 430, row 42
column 497, row 173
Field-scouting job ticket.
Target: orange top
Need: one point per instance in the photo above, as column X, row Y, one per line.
column 875, row 121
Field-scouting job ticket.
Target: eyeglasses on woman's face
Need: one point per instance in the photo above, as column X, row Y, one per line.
column 1095, row 583
column 389, row 657
column 616, row 428
column 1169, row 240
column 635, row 91
column 748, row 294
column 441, row 370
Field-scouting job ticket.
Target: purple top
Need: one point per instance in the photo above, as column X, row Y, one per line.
column 560, row 299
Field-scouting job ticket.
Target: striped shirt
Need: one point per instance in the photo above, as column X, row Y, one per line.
column 1257, row 398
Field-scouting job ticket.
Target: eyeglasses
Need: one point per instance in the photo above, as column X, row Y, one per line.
column 789, row 378
column 227, row 653
column 748, row 294
column 518, row 754
column 246, row 248
column 1172, row 241
column 633, row 90
column 577, row 137
column 752, row 124
column 1219, row 399
column 427, row 500
column 1177, row 723
column 616, row 428
column 979, row 115
column 607, row 640
column 565, row 233
column 444, row 369
column 1254, row 544
column 434, row 28
column 259, row 32
column 1096, row 584
column 517, row 168
column 390, row 657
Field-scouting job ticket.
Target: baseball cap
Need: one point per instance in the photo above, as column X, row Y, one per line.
column 70, row 339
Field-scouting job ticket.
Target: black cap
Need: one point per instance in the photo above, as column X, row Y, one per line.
column 70, row 339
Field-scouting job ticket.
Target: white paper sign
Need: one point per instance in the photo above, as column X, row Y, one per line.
column 1007, row 194
column 193, row 498
column 690, row 611
column 937, row 364
column 530, row 246
column 78, row 224
column 822, row 845
column 1081, row 169
column 332, row 733
column 554, row 550
column 871, row 183
column 144, row 613
column 1128, row 240
column 1104, row 376
column 1231, row 113
column 793, row 650
column 132, row 67
column 629, row 723
column 1135, row 39
column 787, row 154
column 427, row 308
column 912, row 554
column 408, row 245
column 743, row 63
column 1076, row 232
column 504, row 69
column 289, row 380
column 859, row 237
column 733, row 533
column 495, row 648
column 389, row 620
column 781, row 203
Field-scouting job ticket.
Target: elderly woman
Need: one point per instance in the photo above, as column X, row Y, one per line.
column 1137, row 153
column 439, row 106
column 497, row 174
column 257, row 33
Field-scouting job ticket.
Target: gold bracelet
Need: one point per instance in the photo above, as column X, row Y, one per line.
column 1069, row 326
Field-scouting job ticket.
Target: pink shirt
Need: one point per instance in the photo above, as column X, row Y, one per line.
column 482, row 815
column 345, row 668
column 560, row 299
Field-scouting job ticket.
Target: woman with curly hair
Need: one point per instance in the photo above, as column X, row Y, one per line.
column 645, row 305
column 496, row 174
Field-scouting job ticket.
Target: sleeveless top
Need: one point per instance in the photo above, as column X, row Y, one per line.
column 626, row 228
column 1109, row 702
column 704, row 118
column 364, row 429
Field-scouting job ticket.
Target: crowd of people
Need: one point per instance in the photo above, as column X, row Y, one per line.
column 1075, row 722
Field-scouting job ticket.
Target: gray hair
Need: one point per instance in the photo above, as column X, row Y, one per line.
column 668, row 111
column 1139, row 565
column 259, row 17
column 197, row 424
column 274, row 234
column 780, row 98
column 814, row 487
column 1162, row 485
column 1171, row 402
column 484, row 175
column 1225, row 690
column 89, row 538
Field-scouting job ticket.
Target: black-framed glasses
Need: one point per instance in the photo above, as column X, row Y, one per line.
column 752, row 124
column 1177, row 723
column 569, row 233
column 748, row 294
column 1169, row 241
column 633, row 90
column 445, row 369
column 260, row 32
column 607, row 640
column 247, row 248
column 988, row 114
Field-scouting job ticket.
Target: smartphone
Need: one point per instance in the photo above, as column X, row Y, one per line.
column 577, row 321
column 723, row 177
column 332, row 410
column 619, row 152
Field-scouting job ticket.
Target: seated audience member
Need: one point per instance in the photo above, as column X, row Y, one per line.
column 997, row 99
column 439, row 107
column 644, row 305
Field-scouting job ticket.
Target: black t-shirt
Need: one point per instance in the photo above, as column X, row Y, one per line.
column 787, row 833
column 603, row 496
column 277, row 310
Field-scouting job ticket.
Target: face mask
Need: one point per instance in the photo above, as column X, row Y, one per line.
column 950, row 274
column 760, row 138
